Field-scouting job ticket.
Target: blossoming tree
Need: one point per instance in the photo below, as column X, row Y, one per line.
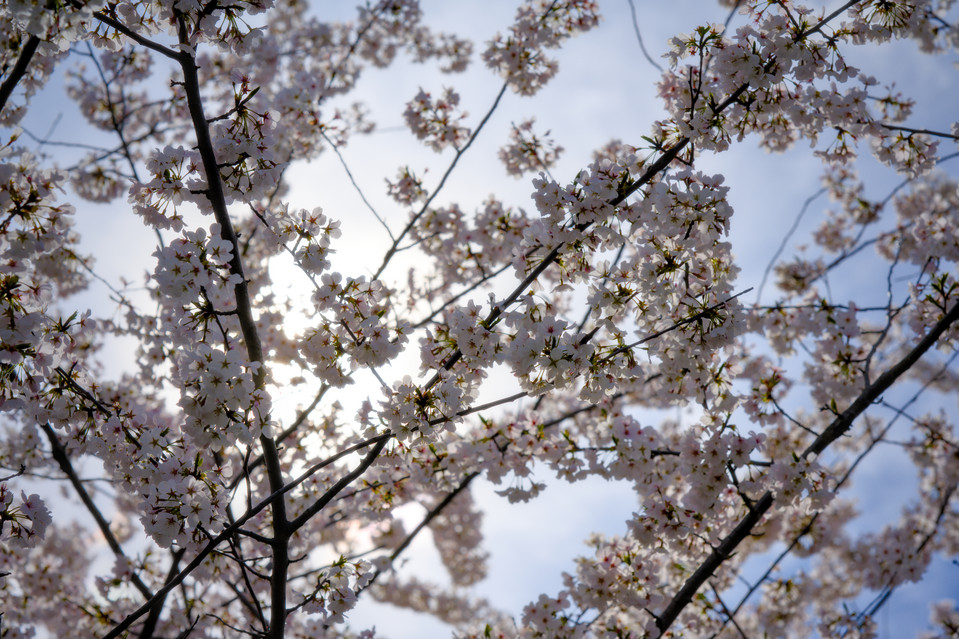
column 226, row 512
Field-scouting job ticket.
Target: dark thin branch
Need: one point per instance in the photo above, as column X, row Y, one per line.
column 905, row 129
column 45, row 141
column 112, row 108
column 476, row 409
column 360, row 34
column 19, row 69
column 785, row 241
column 729, row 615
column 732, row 12
column 73, row 385
column 252, row 601
column 819, row 25
column 356, row 186
column 676, row 325
column 472, row 287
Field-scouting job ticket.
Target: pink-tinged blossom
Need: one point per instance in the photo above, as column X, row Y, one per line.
column 24, row 523
column 527, row 152
column 408, row 188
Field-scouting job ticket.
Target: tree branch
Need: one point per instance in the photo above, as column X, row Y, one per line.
column 19, row 69
column 394, row 248
column 136, row 37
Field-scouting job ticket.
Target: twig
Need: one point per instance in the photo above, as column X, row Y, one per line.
column 459, row 153
column 356, row 186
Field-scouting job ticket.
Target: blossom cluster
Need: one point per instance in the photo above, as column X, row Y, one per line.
column 527, row 152
column 437, row 122
column 307, row 235
column 408, row 188
column 358, row 328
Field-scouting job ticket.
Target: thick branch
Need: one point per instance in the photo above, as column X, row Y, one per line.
column 215, row 195
column 722, row 552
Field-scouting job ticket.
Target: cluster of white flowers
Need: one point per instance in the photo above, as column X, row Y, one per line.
column 540, row 24
column 624, row 299
column 176, row 176
column 306, row 234
column 528, row 152
column 437, row 122
column 408, row 188
column 335, row 592
column 23, row 524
